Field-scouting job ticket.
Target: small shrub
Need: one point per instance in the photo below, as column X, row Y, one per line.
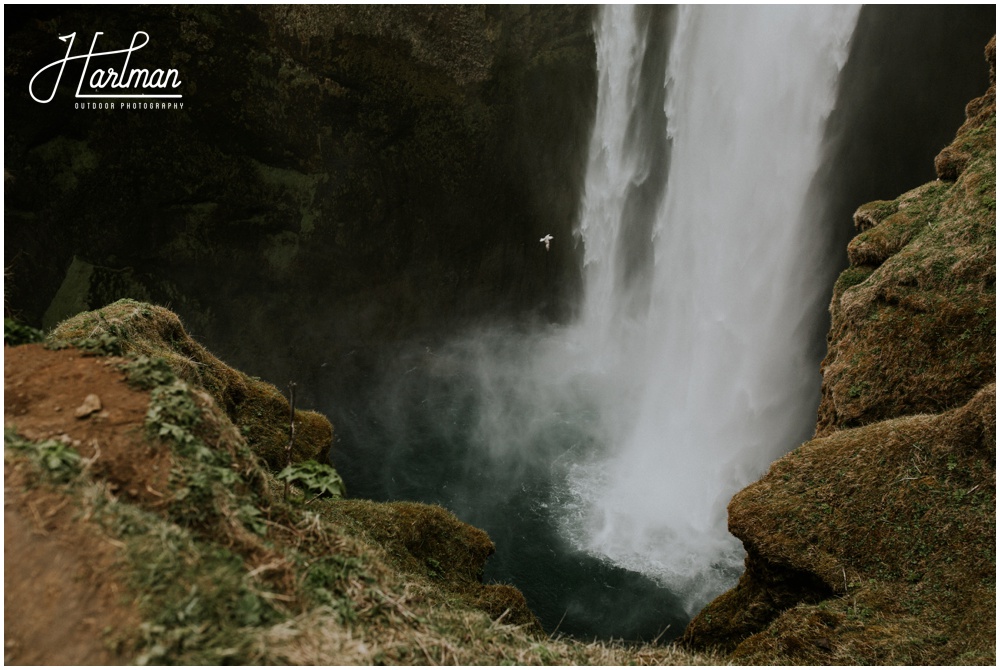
column 56, row 458
column 316, row 479
column 146, row 373
column 15, row 333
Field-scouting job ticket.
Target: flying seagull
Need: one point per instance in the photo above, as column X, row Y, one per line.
column 547, row 239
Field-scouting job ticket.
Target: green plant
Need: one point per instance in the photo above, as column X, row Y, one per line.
column 253, row 518
column 173, row 413
column 56, row 458
column 206, row 486
column 15, row 333
column 315, row 479
column 146, row 373
column 101, row 344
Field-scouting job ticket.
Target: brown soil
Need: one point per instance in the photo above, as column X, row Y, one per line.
column 64, row 603
column 64, row 599
column 43, row 390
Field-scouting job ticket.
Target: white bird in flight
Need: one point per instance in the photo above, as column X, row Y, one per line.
column 547, row 239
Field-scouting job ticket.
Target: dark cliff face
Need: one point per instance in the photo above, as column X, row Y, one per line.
column 370, row 170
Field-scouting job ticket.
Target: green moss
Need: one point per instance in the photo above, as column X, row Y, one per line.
column 293, row 195
column 897, row 546
column 852, row 276
column 70, row 159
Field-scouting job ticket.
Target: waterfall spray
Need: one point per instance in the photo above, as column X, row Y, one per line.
column 705, row 374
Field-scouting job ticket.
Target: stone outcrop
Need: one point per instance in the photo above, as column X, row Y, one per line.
column 875, row 542
column 914, row 315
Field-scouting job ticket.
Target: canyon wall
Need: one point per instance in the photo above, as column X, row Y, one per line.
column 377, row 170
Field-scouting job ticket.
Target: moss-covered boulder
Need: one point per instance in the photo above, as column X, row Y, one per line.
column 257, row 408
column 914, row 316
column 430, row 542
column 872, row 545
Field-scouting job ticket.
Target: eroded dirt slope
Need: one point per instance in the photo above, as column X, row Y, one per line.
column 65, row 602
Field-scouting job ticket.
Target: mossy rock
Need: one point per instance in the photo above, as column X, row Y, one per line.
column 431, row 543
column 425, row 539
column 504, row 603
column 872, row 545
column 254, row 406
column 764, row 591
column 914, row 316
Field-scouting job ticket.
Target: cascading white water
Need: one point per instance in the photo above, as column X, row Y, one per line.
column 693, row 363
column 704, row 371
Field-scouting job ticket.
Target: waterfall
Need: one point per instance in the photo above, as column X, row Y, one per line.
column 600, row 455
column 701, row 283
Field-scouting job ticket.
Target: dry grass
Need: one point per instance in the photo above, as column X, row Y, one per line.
column 452, row 638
